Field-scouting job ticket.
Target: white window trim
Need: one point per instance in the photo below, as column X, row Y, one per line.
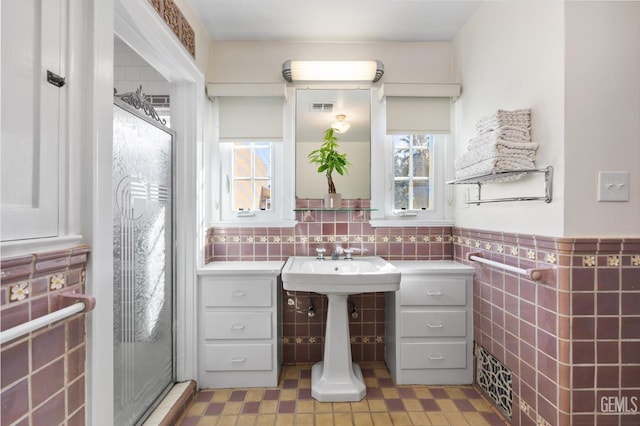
column 282, row 212
column 382, row 182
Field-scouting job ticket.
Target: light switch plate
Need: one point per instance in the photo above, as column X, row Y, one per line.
column 613, row 186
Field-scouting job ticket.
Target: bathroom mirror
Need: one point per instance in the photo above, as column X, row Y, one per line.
column 316, row 110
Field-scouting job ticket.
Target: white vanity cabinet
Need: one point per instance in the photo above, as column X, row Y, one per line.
column 239, row 328
column 429, row 324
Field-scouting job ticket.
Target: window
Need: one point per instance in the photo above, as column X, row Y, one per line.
column 412, row 177
column 409, row 162
column 248, row 181
column 251, row 176
column 252, row 159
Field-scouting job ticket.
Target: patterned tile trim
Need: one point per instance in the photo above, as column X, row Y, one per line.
column 173, row 17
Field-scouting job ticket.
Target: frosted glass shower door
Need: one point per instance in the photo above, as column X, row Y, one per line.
column 143, row 264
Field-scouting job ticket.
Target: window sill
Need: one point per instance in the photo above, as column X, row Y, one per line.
column 409, row 222
column 341, row 209
column 253, row 224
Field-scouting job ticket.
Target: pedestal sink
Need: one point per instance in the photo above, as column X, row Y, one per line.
column 337, row 378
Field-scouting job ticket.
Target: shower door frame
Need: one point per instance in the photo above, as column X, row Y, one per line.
column 117, row 102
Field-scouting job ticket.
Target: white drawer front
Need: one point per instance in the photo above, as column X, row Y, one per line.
column 237, row 325
column 434, row 355
column 237, row 293
column 439, row 292
column 433, row 324
column 238, row 357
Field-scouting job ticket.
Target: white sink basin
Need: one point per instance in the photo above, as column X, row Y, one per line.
column 336, row 378
column 359, row 275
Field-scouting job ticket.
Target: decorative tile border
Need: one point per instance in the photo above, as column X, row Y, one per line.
column 569, row 342
column 326, row 231
column 43, row 373
column 173, row 17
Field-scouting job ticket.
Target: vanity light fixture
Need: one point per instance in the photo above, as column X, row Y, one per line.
column 332, row 70
column 340, row 125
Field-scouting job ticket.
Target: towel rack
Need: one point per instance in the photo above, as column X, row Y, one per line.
column 74, row 303
column 534, row 274
column 488, row 178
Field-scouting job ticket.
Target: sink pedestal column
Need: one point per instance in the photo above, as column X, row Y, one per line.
column 337, row 378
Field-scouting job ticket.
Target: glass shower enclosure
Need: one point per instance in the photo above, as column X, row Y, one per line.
column 144, row 320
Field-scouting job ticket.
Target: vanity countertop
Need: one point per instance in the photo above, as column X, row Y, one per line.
column 245, row 267
column 409, row 267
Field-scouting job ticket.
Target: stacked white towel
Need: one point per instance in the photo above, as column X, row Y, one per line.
column 518, row 118
column 503, row 144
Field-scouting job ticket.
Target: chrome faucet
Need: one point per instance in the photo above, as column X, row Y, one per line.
column 337, row 252
column 347, row 254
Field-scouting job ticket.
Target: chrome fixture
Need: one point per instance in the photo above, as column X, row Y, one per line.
column 332, row 70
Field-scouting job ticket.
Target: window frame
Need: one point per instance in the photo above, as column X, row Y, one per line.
column 218, row 203
column 382, row 184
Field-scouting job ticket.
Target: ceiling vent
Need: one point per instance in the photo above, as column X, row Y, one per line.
column 322, row 107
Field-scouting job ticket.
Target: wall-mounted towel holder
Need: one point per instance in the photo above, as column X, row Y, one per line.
column 497, row 176
column 534, row 274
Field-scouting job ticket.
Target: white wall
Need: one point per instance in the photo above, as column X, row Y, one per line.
column 602, row 114
column 130, row 71
column 509, row 56
column 576, row 65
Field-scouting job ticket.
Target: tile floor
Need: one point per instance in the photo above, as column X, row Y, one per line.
column 385, row 404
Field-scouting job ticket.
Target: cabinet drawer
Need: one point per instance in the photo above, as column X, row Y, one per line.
column 240, row 357
column 256, row 292
column 237, row 325
column 439, row 292
column 433, row 324
column 434, row 355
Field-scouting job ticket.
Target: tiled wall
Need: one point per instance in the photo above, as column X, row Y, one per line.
column 572, row 342
column 131, row 72
column 303, row 335
column 43, row 374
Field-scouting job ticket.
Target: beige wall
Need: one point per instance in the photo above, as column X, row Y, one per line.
column 261, row 61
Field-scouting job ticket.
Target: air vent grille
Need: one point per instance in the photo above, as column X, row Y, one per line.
column 322, row 107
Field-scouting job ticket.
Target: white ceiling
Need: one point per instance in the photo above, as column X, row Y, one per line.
column 334, row 20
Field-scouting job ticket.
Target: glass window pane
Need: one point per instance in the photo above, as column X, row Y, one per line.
column 401, row 195
column 401, row 141
column 241, row 161
column 422, row 140
column 421, row 163
column 243, row 195
column 412, row 163
column 421, row 195
column 263, row 161
column 401, row 162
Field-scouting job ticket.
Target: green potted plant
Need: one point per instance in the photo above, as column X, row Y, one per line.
column 329, row 160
